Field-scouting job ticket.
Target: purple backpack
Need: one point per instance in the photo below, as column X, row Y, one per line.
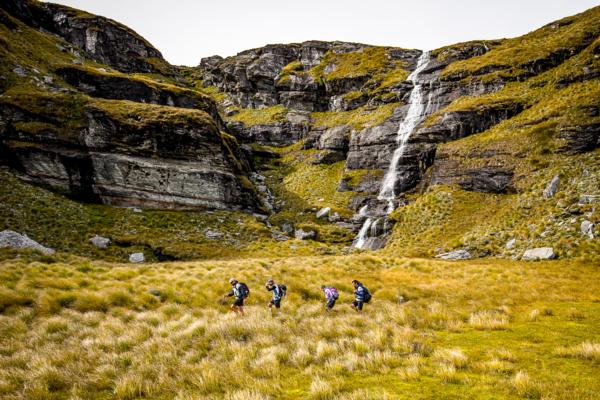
column 333, row 293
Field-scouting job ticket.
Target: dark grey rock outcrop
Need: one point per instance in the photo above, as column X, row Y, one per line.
column 102, row 39
column 168, row 163
column 113, row 86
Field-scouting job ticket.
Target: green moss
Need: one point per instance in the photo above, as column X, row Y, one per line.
column 35, row 127
column 139, row 115
column 360, row 118
column 233, row 152
column 59, row 112
column 392, row 78
column 355, row 177
column 151, row 81
column 262, row 116
column 352, row 64
column 353, row 95
column 292, row 68
column 446, row 52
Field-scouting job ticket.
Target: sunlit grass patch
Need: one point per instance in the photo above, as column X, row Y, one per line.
column 188, row 345
column 525, row 386
column 489, row 320
column 585, row 350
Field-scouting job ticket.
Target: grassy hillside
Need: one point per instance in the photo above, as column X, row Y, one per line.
column 67, row 225
column 562, row 94
column 71, row 327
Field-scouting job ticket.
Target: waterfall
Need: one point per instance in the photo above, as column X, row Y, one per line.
column 416, row 110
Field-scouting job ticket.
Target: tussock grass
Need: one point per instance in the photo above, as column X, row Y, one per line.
column 489, row 320
column 525, row 386
column 585, row 350
column 99, row 332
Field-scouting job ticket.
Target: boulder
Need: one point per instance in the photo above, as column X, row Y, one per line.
column 211, row 234
column 587, row 229
column 287, row 228
column 100, row 241
column 280, row 237
column 17, row 241
column 511, row 244
column 373, row 243
column 334, row 217
column 455, row 255
column 540, row 253
column 305, row 235
column 589, row 199
column 137, row 258
column 552, row 187
column 336, row 138
column 323, row 212
column 328, row 157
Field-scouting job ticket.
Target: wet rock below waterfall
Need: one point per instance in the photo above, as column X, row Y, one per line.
column 373, row 243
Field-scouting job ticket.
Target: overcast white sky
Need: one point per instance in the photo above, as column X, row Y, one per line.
column 187, row 30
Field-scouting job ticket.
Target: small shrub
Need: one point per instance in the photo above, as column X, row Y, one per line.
column 453, row 357
column 525, row 386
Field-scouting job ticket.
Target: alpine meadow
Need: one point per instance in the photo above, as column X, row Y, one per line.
column 315, row 220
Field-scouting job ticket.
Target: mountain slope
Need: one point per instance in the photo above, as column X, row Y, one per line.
column 73, row 123
column 290, row 129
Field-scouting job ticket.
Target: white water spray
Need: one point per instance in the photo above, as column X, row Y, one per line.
column 416, row 110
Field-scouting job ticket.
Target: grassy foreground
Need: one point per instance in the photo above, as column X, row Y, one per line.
column 490, row 329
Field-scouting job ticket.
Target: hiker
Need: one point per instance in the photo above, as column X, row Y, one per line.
column 331, row 295
column 362, row 295
column 241, row 292
column 279, row 292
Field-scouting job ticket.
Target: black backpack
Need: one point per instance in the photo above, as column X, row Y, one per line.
column 282, row 290
column 367, row 295
column 244, row 290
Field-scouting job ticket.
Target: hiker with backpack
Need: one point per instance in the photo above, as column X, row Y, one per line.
column 331, row 295
column 362, row 295
column 279, row 292
column 241, row 292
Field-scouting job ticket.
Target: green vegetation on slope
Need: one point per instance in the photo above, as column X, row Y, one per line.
column 479, row 330
column 360, row 118
column 517, row 57
column 262, row 116
column 303, row 188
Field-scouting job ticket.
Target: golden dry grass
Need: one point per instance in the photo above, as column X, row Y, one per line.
column 71, row 328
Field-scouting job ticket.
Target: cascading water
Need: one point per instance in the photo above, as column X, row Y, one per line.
column 416, row 111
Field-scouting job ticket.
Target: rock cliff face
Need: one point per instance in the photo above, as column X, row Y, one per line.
column 178, row 162
column 72, row 121
column 102, row 39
